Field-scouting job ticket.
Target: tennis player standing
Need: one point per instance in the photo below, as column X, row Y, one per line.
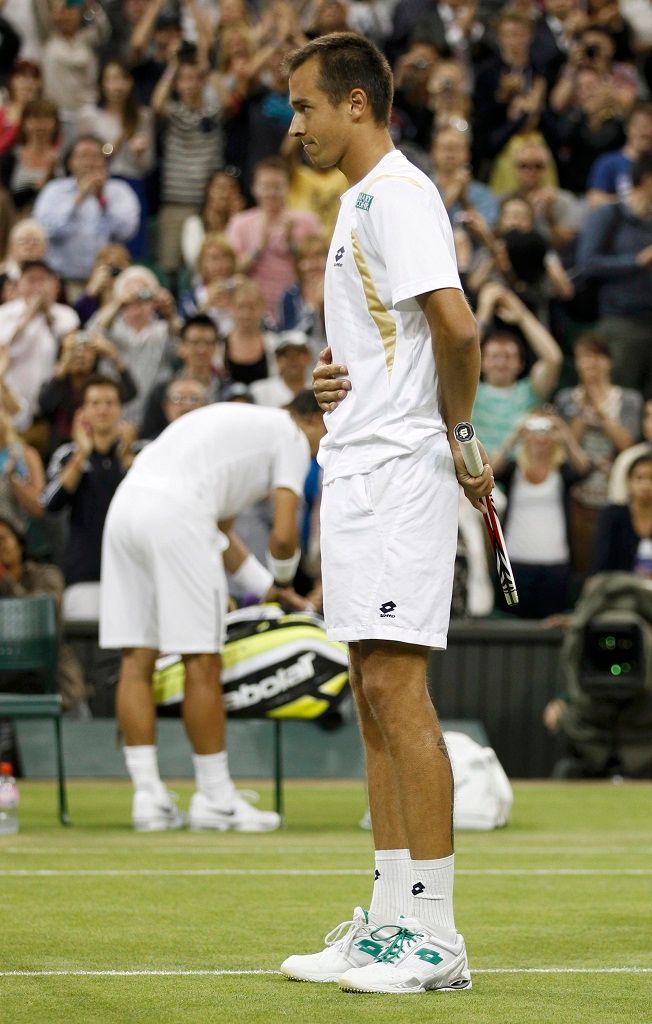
column 401, row 370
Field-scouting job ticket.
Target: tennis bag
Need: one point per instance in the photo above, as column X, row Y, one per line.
column 483, row 793
column 274, row 665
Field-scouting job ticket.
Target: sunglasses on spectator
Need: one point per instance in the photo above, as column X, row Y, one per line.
column 185, row 400
column 531, row 165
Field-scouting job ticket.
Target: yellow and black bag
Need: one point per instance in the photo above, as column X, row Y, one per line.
column 274, row 665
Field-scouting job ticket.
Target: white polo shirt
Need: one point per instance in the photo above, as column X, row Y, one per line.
column 392, row 242
column 224, row 458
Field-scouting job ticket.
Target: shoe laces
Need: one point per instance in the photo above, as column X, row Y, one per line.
column 398, row 944
column 345, row 933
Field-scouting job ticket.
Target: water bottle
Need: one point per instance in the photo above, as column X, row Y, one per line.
column 8, row 800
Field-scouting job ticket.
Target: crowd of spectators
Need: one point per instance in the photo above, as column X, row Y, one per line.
column 163, row 242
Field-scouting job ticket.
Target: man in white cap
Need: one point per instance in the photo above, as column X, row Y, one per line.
column 294, row 359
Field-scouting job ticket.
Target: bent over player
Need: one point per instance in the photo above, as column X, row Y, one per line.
column 401, row 370
column 164, row 585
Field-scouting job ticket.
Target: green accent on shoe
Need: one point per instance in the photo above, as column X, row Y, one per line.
column 395, row 948
column 431, row 956
column 373, row 949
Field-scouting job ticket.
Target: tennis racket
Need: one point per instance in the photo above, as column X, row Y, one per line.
column 465, row 436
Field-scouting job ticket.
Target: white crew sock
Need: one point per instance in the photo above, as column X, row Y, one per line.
column 142, row 765
column 392, row 881
column 213, row 779
column 432, row 895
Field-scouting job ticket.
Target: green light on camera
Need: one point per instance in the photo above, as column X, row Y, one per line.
column 616, row 670
column 610, row 642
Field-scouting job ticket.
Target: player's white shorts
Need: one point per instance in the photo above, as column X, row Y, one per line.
column 163, row 581
column 388, row 543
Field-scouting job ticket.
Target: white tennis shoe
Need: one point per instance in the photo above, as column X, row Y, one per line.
column 156, row 812
column 414, row 961
column 237, row 816
column 351, row 944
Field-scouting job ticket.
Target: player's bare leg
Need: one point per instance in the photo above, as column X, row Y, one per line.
column 153, row 809
column 216, row 805
column 394, row 686
column 384, row 803
column 134, row 702
column 427, row 952
column 203, row 706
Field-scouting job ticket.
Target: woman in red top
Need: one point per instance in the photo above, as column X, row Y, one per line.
column 24, row 84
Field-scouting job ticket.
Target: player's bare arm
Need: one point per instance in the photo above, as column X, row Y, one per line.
column 457, row 356
column 329, row 381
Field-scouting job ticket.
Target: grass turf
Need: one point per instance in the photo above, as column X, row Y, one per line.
column 566, row 885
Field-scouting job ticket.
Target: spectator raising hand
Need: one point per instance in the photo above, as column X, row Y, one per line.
column 504, row 394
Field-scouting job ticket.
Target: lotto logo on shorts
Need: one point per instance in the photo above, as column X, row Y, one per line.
column 364, row 201
column 387, row 609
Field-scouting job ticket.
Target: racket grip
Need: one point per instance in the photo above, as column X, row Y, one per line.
column 464, row 434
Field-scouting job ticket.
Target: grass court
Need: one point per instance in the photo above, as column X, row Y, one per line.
column 100, row 924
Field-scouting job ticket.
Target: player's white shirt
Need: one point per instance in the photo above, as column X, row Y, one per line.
column 224, row 458
column 392, row 242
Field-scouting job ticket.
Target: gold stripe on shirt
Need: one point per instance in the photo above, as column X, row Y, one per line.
column 381, row 316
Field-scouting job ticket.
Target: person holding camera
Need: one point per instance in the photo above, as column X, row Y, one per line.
column 82, row 354
column 141, row 322
column 537, row 479
column 605, row 421
column 110, row 261
column 83, row 212
column 593, row 48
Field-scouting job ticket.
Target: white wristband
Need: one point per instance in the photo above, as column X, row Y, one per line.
column 252, row 577
column 283, row 569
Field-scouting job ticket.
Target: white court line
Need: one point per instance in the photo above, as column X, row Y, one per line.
column 289, row 849
column 221, row 974
column 307, row 872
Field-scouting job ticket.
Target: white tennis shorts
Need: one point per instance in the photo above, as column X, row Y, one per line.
column 163, row 581
column 388, row 543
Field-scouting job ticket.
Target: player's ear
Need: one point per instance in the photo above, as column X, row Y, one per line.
column 358, row 103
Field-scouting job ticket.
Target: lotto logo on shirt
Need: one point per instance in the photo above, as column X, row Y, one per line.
column 364, row 201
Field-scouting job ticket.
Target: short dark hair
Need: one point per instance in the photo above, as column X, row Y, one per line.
column 501, row 335
column 641, row 168
column 40, row 107
column 348, row 61
column 304, row 405
column 17, row 531
column 273, row 163
column 39, row 264
column 87, row 137
column 639, row 107
column 641, row 460
column 100, row 380
column 200, row 320
column 592, row 343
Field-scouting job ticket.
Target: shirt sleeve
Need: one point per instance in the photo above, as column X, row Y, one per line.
column 292, row 461
column 122, row 210
column 413, row 234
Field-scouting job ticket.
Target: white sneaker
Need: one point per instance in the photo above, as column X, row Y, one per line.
column 415, row 961
column 353, row 944
column 155, row 812
column 238, row 815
